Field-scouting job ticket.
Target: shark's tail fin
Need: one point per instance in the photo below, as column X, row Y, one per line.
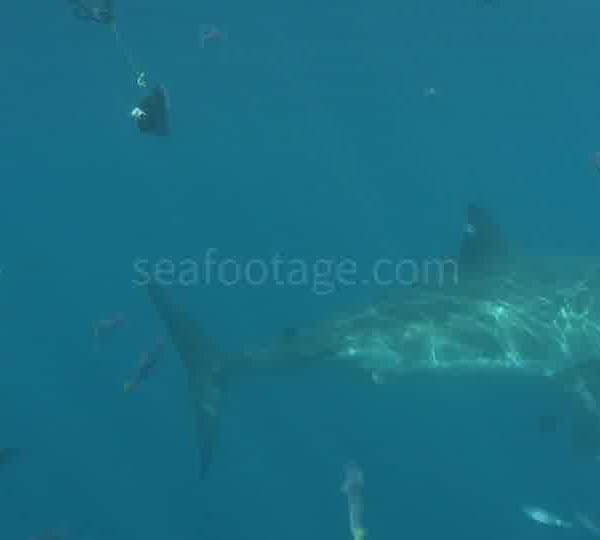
column 204, row 367
column 583, row 381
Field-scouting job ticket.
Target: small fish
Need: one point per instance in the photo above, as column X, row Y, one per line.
column 50, row 534
column 208, row 33
column 104, row 326
column 9, row 455
column 352, row 487
column 544, row 517
column 87, row 11
column 147, row 365
column 596, row 161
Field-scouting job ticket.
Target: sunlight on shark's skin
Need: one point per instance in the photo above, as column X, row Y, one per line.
column 505, row 316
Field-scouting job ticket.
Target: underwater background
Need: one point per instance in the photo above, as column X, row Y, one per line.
column 308, row 131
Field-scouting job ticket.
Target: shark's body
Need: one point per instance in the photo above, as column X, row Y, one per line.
column 509, row 322
column 499, row 315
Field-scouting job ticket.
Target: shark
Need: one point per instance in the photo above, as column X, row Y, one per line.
column 501, row 314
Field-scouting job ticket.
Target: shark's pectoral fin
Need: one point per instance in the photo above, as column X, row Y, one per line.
column 583, row 382
column 204, row 369
column 585, row 437
column 207, row 420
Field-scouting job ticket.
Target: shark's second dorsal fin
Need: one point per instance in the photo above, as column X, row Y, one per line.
column 483, row 246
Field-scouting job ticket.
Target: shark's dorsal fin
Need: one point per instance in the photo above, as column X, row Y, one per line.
column 483, row 246
column 203, row 365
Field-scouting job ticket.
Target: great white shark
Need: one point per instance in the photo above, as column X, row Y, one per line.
column 503, row 315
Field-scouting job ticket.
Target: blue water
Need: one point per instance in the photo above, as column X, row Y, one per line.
column 306, row 132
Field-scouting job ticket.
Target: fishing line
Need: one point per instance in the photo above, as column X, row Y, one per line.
column 139, row 75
